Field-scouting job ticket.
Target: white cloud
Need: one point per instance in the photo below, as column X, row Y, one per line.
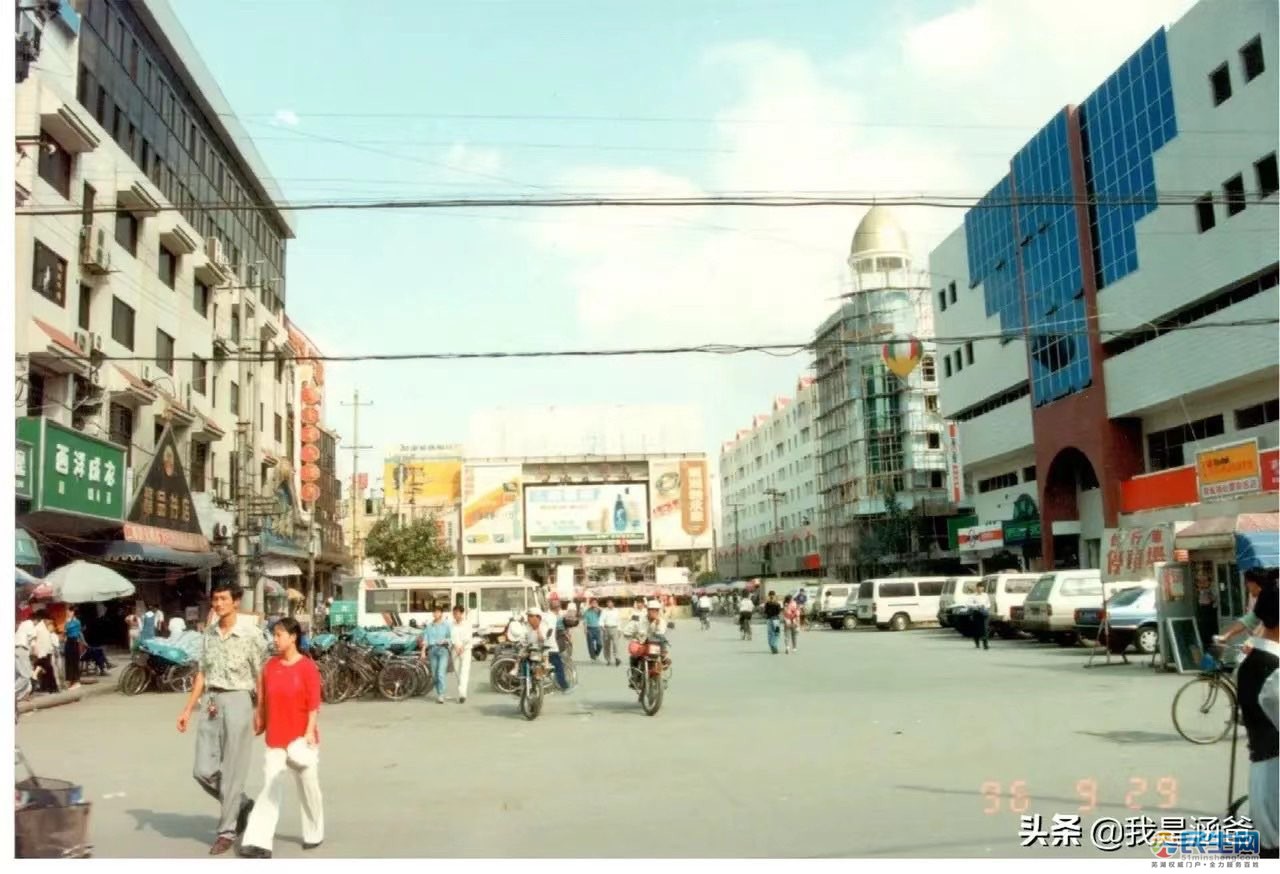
column 287, row 117
column 1001, row 67
column 472, row 162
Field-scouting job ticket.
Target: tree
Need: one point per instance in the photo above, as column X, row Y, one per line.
column 707, row 577
column 488, row 569
column 413, row 550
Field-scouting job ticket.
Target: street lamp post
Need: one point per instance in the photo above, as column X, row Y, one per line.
column 775, row 496
column 737, row 545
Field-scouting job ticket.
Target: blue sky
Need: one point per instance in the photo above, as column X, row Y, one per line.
column 767, row 95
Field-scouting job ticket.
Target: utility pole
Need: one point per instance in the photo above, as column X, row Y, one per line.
column 355, row 448
column 737, row 544
column 245, row 376
column 775, row 496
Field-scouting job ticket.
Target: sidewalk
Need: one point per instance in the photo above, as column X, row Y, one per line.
column 89, row 687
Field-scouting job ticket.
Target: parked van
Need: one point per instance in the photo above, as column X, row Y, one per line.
column 954, row 591
column 898, row 603
column 1049, row 611
column 832, row 596
column 1007, row 591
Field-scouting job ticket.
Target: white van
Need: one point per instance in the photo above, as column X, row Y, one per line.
column 832, row 596
column 1049, row 611
column 954, row 591
column 1007, row 591
column 898, row 603
column 489, row 601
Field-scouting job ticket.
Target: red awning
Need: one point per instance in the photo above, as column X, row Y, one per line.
column 59, row 337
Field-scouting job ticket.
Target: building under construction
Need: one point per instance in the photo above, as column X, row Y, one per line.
column 882, row 454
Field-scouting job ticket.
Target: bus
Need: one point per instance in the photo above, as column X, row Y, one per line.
column 490, row 601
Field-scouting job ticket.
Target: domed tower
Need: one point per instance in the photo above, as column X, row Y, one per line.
column 879, row 244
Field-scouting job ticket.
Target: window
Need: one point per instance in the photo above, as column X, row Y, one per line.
column 235, row 398
column 952, row 289
column 1220, row 84
column 959, row 361
column 121, row 428
column 946, row 366
column 935, row 440
column 1029, row 474
column 122, row 317
column 995, row 483
column 422, row 600
column 931, row 403
column 87, row 197
column 1081, row 586
column 502, row 600
column 127, row 232
column 935, row 479
column 1233, row 188
column 386, row 601
column 199, row 375
column 1251, row 59
column 168, row 267
column 968, row 352
column 1268, row 180
column 102, row 111
column 928, row 369
column 279, row 368
column 942, row 300
column 54, row 166
column 199, row 466
column 1204, row 213
column 1258, row 414
column 898, row 590
column 164, row 352
column 1164, row 448
column 49, row 274
column 262, row 418
column 200, row 298
column 85, row 299
column 133, row 59
column 278, row 428
column 235, row 327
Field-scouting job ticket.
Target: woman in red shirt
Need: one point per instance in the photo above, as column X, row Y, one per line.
column 288, row 709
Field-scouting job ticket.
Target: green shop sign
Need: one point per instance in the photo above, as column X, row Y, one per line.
column 1024, row 527
column 24, row 470
column 73, row 472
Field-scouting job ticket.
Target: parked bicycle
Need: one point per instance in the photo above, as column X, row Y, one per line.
column 160, row 666
column 1204, row 709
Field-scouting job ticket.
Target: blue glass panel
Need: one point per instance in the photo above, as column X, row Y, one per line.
column 989, row 237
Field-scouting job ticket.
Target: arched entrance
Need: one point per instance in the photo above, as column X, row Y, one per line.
column 1071, row 497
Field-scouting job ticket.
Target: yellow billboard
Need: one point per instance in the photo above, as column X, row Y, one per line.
column 422, row 480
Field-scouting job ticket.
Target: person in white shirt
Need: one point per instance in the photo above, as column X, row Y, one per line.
column 43, row 645
column 460, row 642
column 545, row 636
column 651, row 626
column 177, row 625
column 611, row 625
column 24, row 637
column 979, row 604
column 746, row 607
column 704, row 610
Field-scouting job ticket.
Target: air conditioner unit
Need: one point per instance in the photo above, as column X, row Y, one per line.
column 84, row 341
column 95, row 340
column 95, row 253
column 253, row 276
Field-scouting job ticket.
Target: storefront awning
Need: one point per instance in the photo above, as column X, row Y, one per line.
column 124, row 550
column 1258, row 541
column 280, row 567
column 1216, row 533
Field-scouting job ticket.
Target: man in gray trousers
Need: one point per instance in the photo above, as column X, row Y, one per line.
column 234, row 650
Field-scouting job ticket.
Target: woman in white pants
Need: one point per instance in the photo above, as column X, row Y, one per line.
column 460, row 642
column 288, row 712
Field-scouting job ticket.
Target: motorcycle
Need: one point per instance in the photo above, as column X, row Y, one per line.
column 536, row 679
column 650, row 671
column 155, row 663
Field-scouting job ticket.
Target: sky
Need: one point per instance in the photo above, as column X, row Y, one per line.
column 354, row 100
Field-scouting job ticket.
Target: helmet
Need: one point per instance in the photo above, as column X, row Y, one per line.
column 533, row 611
column 654, row 604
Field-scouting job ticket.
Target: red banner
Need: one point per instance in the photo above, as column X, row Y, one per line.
column 149, row 535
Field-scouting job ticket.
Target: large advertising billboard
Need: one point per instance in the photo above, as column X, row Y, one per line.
column 600, row 513
column 491, row 512
column 681, row 504
column 431, row 481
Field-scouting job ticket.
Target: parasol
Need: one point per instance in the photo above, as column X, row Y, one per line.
column 84, row 583
column 295, row 595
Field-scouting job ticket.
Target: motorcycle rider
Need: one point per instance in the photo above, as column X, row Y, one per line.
column 542, row 635
column 651, row 626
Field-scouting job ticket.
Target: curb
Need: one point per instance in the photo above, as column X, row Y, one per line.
column 44, row 702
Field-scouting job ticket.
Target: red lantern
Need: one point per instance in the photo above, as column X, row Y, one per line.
column 310, row 473
column 310, row 394
column 310, row 416
column 310, row 493
column 310, row 453
column 310, row 434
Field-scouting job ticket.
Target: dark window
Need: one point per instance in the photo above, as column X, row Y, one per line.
column 199, row 466
column 1233, row 188
column 1258, row 414
column 235, row 399
column 278, row 430
column 86, row 87
column 200, row 298
column 235, row 327
column 1220, row 84
column 54, row 166
column 1204, row 213
column 164, row 352
column 49, row 274
column 1268, row 180
column 157, row 431
column 942, row 300
column 928, row 369
column 127, row 232
column 930, row 589
column 959, row 362
column 102, row 112
column 946, row 366
column 931, row 403
column 199, row 375
column 1251, row 59
column 87, row 198
column 952, row 289
column 935, row 479
column 121, row 428
column 262, row 417
column 121, row 128
column 995, row 483
column 133, row 59
column 898, row 590
column 279, row 368
column 122, row 317
column 85, row 300
column 968, row 352
column 35, row 394
column 935, row 440
column 1029, row 474
column 168, row 267
column 1164, row 448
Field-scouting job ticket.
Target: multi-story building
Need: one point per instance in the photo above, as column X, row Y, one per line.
column 150, row 267
column 768, row 492
column 880, row 438
column 1139, row 321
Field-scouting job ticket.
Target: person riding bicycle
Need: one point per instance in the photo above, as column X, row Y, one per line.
column 538, row 634
column 650, row 627
column 1256, row 580
column 1258, row 681
column 704, row 610
column 746, row 607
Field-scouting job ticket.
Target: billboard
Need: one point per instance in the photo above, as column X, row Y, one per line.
column 1229, row 471
column 491, row 512
column 436, row 481
column 615, row 513
column 681, row 504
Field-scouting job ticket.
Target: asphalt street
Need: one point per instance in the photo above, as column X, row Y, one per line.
column 861, row 744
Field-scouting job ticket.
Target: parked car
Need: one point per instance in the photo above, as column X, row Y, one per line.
column 1130, row 617
column 1050, row 607
column 1008, row 593
column 845, row 616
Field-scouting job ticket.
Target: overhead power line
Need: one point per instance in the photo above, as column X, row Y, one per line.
column 776, row 349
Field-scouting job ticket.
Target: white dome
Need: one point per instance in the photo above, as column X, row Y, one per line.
column 878, row 233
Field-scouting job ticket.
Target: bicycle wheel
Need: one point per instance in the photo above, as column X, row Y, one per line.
column 179, row 678
column 1203, row 710
column 134, row 680
column 397, row 681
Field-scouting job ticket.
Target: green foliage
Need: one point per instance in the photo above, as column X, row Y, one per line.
column 488, row 569
column 707, row 577
column 414, row 550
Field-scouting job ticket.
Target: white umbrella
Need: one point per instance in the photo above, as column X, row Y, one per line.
column 83, row 583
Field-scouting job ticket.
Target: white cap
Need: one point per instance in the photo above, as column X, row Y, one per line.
column 533, row 611
column 653, row 604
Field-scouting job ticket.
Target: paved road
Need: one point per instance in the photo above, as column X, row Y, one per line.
column 862, row 744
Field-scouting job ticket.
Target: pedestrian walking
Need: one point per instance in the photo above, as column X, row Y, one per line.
column 150, row 625
column 773, row 619
column 42, row 646
column 24, row 639
column 611, row 628
column 232, row 657
column 791, row 624
column 434, row 645
column 1259, row 687
column 288, row 713
column 980, row 614
column 73, row 632
column 802, row 601
column 591, row 625
column 460, row 640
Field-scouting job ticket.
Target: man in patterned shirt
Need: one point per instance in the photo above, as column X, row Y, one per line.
column 234, row 650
